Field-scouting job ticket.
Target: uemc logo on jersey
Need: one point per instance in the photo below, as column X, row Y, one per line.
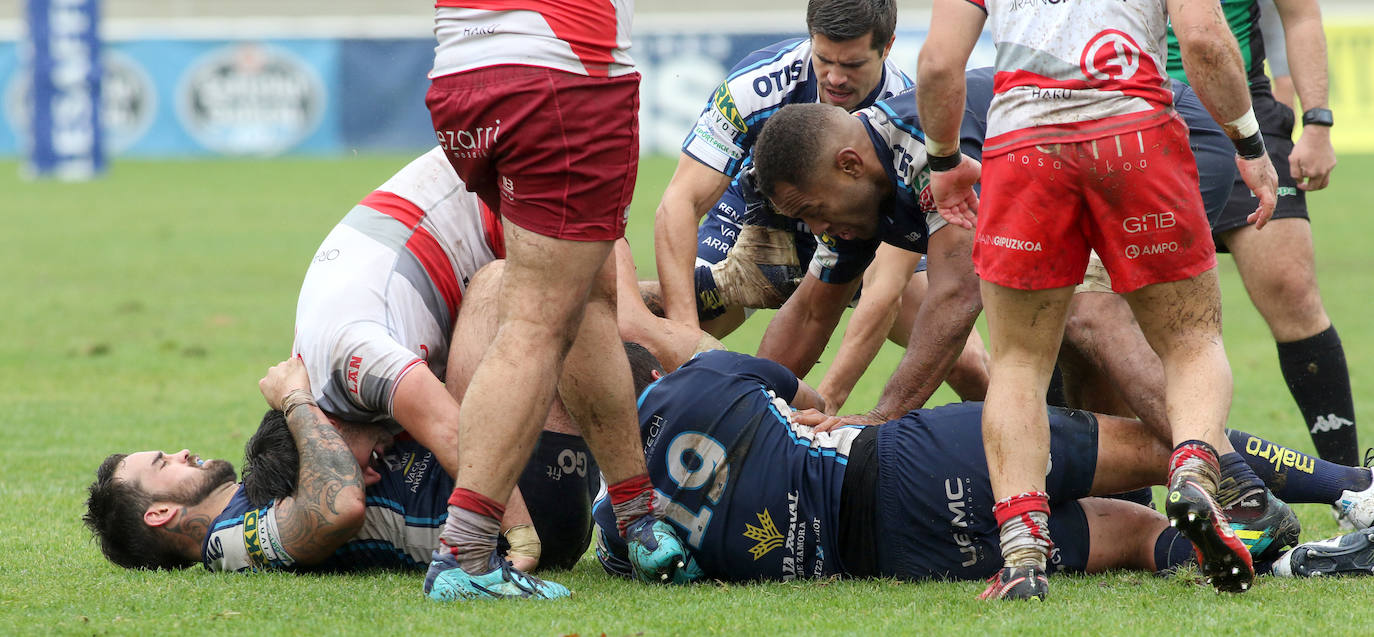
column 778, row 79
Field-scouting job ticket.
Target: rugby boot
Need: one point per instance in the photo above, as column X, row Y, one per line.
column 1350, row 554
column 1018, row 582
column 446, row 581
column 656, row 554
column 1223, row 558
column 1265, row 524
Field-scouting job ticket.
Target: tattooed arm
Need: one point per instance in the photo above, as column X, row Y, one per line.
column 328, row 505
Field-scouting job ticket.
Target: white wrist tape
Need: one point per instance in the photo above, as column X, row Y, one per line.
column 1244, row 126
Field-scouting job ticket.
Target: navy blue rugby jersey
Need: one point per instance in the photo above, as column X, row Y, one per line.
column 910, row 217
column 761, row 84
column 406, row 511
column 736, row 475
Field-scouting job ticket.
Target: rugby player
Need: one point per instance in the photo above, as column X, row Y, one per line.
column 845, row 63
column 894, row 206
column 536, row 104
column 1277, row 266
column 759, row 494
column 404, row 511
column 1065, row 90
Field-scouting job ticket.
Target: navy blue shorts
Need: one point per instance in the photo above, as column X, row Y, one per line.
column 1213, row 150
column 934, row 500
column 1276, row 122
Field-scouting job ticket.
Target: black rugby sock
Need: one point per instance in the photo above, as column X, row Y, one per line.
column 1316, row 373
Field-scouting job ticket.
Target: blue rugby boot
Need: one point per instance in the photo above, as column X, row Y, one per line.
column 448, row 582
column 1265, row 525
column 656, row 554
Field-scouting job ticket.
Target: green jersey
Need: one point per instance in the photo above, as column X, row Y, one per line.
column 1243, row 16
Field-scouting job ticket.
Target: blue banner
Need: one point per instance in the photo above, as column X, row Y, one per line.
column 63, row 89
column 199, row 97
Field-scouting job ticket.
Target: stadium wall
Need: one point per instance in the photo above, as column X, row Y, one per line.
column 183, row 89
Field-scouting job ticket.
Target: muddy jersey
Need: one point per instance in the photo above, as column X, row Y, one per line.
column 405, row 513
column 586, row 37
column 1075, row 71
column 736, row 476
column 761, row 84
column 383, row 289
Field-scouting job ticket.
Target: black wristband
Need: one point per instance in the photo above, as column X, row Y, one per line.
column 1317, row 117
column 941, row 164
column 1251, row 147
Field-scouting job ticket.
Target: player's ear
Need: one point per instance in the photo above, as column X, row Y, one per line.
column 159, row 513
column 850, row 162
column 655, row 374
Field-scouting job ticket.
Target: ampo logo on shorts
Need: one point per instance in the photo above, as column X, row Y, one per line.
column 1134, row 251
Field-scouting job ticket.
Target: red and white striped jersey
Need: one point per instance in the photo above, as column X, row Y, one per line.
column 383, row 290
column 586, row 37
column 1075, row 70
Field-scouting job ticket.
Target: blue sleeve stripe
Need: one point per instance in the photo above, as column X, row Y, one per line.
column 765, row 61
column 823, row 452
column 411, row 520
column 645, row 394
column 371, row 546
column 901, row 124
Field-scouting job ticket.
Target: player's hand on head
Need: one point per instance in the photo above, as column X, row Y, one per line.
column 1260, row 177
column 282, row 379
column 952, row 189
column 1312, row 161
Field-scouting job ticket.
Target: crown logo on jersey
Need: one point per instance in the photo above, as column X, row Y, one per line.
column 766, row 534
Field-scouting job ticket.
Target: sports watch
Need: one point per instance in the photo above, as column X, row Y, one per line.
column 1317, row 117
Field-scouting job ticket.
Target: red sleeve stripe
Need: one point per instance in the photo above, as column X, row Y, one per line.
column 423, row 245
column 394, row 206
column 981, row 4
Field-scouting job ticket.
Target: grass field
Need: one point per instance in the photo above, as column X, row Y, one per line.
column 140, row 310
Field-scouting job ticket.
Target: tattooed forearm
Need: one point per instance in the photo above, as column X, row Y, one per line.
column 325, row 510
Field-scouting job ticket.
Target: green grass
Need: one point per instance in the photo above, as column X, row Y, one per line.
column 140, row 310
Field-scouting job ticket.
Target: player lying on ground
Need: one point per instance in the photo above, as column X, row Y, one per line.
column 375, row 317
column 760, row 495
column 176, row 510
column 560, row 478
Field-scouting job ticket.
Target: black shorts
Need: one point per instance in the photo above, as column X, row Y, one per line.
column 1276, row 123
column 559, row 484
